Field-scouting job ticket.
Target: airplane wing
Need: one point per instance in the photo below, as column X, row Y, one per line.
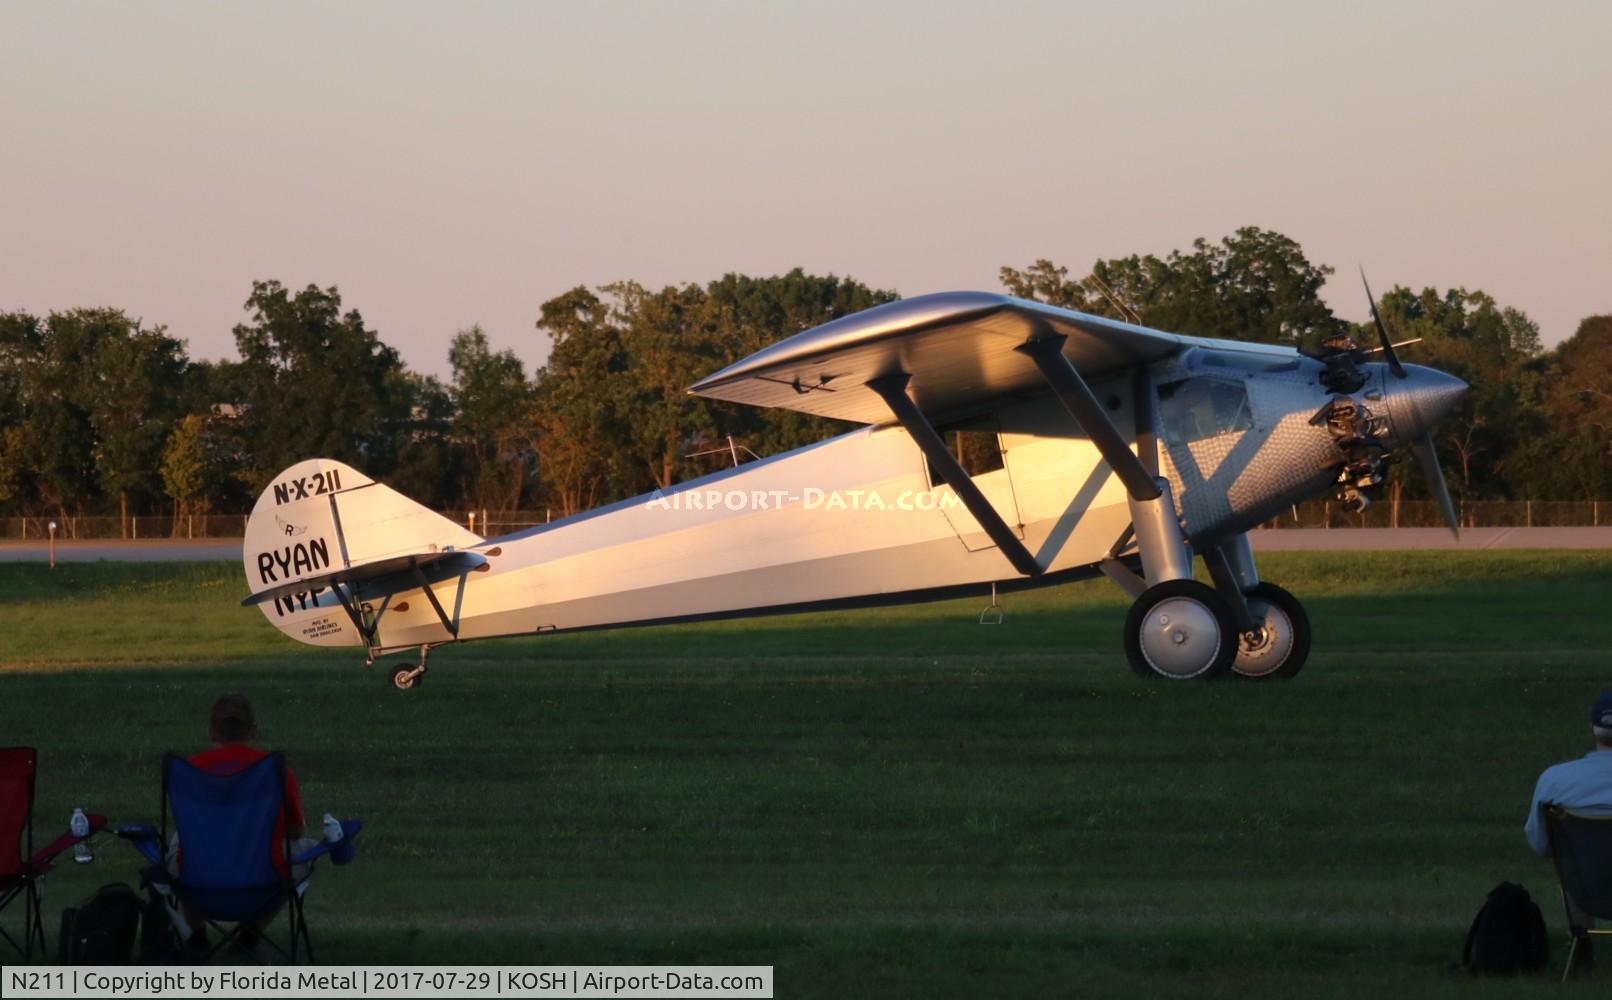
column 959, row 348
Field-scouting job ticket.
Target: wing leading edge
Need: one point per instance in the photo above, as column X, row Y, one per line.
column 959, row 347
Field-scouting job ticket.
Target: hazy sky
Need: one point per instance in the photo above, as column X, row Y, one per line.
column 450, row 164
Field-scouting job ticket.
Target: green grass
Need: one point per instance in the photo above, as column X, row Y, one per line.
column 896, row 801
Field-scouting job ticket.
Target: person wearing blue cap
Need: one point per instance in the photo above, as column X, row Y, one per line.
column 1583, row 785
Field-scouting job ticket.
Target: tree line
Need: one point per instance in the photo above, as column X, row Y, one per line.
column 102, row 414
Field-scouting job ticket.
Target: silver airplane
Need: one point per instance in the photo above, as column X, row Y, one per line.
column 1006, row 444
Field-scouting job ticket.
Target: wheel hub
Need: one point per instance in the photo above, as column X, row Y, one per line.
column 1271, row 648
column 1180, row 636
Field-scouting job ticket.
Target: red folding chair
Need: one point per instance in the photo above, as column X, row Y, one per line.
column 22, row 869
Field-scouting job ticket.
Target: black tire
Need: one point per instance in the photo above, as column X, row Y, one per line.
column 1275, row 599
column 1194, row 595
column 404, row 678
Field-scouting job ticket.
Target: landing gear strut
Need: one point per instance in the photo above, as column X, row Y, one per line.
column 1178, row 628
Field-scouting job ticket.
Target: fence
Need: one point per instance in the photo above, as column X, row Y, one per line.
column 217, row 526
column 1426, row 514
column 1311, row 514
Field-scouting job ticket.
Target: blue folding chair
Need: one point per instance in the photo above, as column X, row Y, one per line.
column 226, row 825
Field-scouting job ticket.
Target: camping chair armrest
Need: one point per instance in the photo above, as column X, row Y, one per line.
column 349, row 830
column 44, row 855
column 318, row 850
column 145, row 839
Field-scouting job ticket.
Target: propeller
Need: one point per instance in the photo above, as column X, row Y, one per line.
column 1427, row 457
column 1382, row 331
column 1422, row 445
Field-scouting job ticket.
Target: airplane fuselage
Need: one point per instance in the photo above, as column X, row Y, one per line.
column 858, row 519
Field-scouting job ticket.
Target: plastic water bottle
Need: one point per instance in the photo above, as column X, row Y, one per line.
column 80, row 825
column 333, row 832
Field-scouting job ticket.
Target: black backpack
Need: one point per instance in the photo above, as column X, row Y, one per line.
column 1507, row 935
column 101, row 930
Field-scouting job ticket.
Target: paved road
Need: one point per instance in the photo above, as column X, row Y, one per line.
column 115, row 551
column 1276, row 540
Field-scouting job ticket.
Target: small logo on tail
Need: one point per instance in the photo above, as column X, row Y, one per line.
column 288, row 529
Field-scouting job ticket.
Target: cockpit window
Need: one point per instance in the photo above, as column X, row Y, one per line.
column 1246, row 362
column 976, row 444
column 1198, row 408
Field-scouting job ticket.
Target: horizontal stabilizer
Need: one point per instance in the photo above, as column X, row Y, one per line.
column 379, row 579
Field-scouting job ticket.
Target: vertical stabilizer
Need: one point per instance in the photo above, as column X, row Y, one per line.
column 320, row 517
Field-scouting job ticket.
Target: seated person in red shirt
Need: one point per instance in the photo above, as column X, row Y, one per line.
column 233, row 727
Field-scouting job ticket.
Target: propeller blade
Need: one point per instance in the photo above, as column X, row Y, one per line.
column 1382, row 331
column 1427, row 458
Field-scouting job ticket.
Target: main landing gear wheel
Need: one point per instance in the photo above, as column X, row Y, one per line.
column 407, row 678
column 1283, row 644
column 1180, row 630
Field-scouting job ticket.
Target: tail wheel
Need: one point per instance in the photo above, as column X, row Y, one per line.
column 1180, row 630
column 407, row 678
column 1283, row 644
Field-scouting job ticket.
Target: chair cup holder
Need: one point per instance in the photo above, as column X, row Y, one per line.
column 341, row 852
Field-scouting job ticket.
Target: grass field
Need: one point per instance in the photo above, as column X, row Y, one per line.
column 899, row 802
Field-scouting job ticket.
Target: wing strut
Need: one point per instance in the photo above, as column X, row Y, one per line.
column 1145, row 407
column 1159, row 539
column 431, row 595
column 367, row 631
column 1077, row 398
column 350, row 605
column 893, row 389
